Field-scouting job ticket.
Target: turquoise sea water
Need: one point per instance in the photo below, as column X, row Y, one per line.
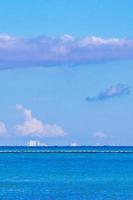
column 66, row 176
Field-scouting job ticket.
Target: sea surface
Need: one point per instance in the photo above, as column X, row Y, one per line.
column 66, row 173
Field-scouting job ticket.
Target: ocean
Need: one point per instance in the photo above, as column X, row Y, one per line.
column 66, row 173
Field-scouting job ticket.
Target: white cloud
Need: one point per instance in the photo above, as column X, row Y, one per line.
column 118, row 90
column 93, row 40
column 3, row 129
column 67, row 37
column 35, row 127
column 47, row 51
column 100, row 134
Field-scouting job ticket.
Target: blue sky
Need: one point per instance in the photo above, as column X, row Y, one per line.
column 54, row 18
column 66, row 72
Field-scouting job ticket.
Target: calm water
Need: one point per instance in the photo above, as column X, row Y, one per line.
column 68, row 176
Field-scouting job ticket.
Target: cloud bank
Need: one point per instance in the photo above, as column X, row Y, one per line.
column 111, row 92
column 35, row 127
column 47, row 51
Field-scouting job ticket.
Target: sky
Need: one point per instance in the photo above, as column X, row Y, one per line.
column 66, row 72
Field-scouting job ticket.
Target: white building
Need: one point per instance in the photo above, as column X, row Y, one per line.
column 73, row 144
column 33, row 143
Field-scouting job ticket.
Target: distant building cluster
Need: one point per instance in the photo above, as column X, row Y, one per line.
column 35, row 143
